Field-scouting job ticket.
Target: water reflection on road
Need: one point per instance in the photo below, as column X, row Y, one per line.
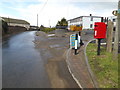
column 22, row 64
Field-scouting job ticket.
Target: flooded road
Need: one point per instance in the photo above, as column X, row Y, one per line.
column 22, row 64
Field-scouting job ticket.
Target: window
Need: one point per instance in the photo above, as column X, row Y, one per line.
column 91, row 25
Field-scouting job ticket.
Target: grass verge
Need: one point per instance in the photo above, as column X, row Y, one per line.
column 48, row 29
column 103, row 66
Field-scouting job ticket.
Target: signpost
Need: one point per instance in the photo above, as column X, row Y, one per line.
column 115, row 12
column 74, row 42
column 117, row 32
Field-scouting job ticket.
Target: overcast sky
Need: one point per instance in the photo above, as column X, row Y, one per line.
column 50, row 11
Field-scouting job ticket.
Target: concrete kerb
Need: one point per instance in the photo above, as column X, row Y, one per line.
column 88, row 67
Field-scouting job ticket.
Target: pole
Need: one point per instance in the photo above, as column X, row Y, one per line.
column 115, row 48
column 37, row 21
column 76, row 39
column 79, row 37
column 49, row 23
column 119, row 23
column 109, row 36
column 102, row 19
column 98, row 50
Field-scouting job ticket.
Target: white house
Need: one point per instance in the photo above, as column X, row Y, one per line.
column 87, row 22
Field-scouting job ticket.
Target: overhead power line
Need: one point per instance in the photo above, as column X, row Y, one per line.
column 43, row 6
column 41, row 11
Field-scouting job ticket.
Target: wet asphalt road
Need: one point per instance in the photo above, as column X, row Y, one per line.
column 22, row 65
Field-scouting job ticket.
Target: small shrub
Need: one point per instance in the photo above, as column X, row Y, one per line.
column 48, row 29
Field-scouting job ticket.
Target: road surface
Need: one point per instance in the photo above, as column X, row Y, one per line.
column 25, row 66
column 22, row 64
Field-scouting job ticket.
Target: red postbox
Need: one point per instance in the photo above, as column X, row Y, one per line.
column 100, row 30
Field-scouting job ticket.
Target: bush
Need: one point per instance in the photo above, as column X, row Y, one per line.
column 48, row 29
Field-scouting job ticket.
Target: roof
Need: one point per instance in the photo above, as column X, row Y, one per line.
column 18, row 21
column 85, row 16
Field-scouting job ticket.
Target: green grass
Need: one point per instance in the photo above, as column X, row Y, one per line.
column 48, row 30
column 103, row 66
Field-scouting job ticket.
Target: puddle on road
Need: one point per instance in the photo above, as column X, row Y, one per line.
column 55, row 46
column 50, row 35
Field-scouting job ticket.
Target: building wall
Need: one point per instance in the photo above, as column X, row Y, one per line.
column 27, row 26
column 86, row 22
column 77, row 21
column 96, row 20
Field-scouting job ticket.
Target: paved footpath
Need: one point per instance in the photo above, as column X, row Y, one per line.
column 78, row 67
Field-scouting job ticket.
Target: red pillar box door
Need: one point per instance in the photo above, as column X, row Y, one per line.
column 100, row 30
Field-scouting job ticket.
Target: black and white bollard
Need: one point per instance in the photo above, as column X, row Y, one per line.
column 76, row 40
column 79, row 38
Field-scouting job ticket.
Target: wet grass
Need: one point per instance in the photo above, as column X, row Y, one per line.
column 103, row 66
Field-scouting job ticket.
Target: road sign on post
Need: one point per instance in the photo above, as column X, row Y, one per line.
column 74, row 42
column 115, row 12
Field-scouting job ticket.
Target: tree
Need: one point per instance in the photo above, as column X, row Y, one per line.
column 58, row 23
column 63, row 22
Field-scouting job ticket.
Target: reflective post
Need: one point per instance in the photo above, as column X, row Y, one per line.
column 76, row 40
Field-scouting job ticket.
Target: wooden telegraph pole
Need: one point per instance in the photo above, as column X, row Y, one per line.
column 115, row 48
column 118, row 22
column 37, row 21
column 109, row 36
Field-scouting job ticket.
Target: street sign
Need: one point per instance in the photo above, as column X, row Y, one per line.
column 72, row 41
column 115, row 12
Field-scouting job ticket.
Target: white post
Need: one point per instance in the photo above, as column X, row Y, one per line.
column 76, row 42
column 70, row 42
column 79, row 38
